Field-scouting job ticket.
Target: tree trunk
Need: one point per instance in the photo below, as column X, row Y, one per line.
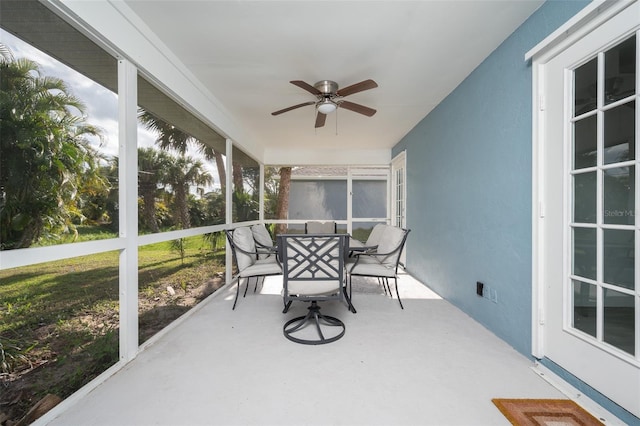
column 181, row 208
column 149, row 210
column 30, row 233
column 222, row 174
column 282, row 206
column 238, row 184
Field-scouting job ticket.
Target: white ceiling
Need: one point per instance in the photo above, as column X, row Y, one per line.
column 246, row 52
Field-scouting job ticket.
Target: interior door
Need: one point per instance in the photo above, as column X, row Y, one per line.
column 590, row 265
column 399, row 194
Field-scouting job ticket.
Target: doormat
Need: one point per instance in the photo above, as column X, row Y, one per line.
column 541, row 412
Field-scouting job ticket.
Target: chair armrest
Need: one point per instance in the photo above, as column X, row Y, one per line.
column 353, row 251
column 262, row 246
column 257, row 252
column 262, row 249
column 375, row 253
column 269, row 251
column 364, row 249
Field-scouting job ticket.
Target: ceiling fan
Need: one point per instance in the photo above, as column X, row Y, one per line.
column 329, row 98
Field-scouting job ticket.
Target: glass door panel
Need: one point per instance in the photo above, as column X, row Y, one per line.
column 619, row 327
column 585, row 142
column 585, row 80
column 585, row 199
column 585, row 299
column 584, row 252
column 620, row 71
column 619, row 133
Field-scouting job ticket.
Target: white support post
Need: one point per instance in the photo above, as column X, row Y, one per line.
column 349, row 201
column 229, row 207
column 128, row 208
column 261, row 194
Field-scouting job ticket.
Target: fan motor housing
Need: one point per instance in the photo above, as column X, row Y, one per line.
column 327, row 86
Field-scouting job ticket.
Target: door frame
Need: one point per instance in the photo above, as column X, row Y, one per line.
column 594, row 367
column 587, row 20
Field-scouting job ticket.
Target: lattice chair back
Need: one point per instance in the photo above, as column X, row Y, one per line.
column 312, row 266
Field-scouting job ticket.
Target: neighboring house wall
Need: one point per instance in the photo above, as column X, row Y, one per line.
column 469, row 185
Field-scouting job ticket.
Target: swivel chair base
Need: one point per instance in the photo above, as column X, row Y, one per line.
column 315, row 318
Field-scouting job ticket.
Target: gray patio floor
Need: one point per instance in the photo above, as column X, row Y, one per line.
column 429, row 364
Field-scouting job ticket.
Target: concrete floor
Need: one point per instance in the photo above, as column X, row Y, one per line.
column 429, row 364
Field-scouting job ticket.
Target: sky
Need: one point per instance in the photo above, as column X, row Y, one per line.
column 101, row 104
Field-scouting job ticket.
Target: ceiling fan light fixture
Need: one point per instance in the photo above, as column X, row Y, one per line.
column 327, row 106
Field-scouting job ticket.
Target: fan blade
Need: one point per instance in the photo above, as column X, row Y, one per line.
column 358, row 87
column 293, row 107
column 320, row 119
column 306, row 86
column 357, row 108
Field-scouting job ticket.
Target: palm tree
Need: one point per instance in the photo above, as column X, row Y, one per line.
column 172, row 138
column 181, row 174
column 45, row 155
column 152, row 168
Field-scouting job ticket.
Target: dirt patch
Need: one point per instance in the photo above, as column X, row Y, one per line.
column 68, row 354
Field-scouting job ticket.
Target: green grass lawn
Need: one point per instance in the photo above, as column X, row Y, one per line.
column 59, row 320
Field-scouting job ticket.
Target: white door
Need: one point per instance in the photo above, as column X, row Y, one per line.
column 399, row 194
column 589, row 196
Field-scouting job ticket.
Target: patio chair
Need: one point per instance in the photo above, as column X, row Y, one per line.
column 246, row 255
column 315, row 227
column 313, row 271
column 383, row 263
column 263, row 240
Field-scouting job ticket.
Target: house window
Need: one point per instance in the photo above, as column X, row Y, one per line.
column 356, row 198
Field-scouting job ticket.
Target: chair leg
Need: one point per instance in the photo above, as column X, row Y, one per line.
column 346, row 296
column 286, row 306
column 237, row 293
column 385, row 286
column 381, row 282
column 257, row 280
column 397, row 293
column 246, row 287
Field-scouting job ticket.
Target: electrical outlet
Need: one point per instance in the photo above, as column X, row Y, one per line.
column 479, row 289
column 494, row 295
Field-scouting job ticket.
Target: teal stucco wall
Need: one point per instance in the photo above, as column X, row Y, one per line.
column 469, row 185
